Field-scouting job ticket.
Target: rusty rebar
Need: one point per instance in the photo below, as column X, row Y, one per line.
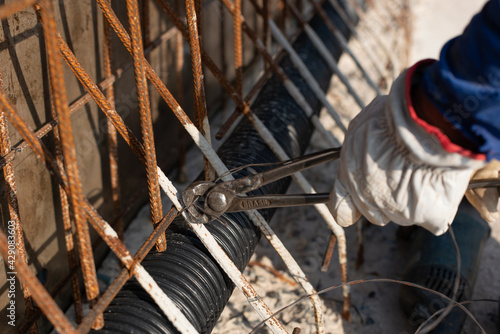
column 49, row 126
column 15, row 6
column 207, row 60
column 145, row 116
column 152, row 76
column 264, row 53
column 42, row 298
column 329, row 252
column 68, row 227
column 269, row 60
column 238, row 47
column 111, row 131
column 201, row 142
column 68, row 151
column 270, row 140
column 201, row 116
column 13, row 205
column 101, row 100
column 223, row 60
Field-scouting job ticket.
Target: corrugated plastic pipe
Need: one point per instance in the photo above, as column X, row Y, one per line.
column 186, row 271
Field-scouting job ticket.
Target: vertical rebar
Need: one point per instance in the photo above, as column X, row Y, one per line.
column 265, row 24
column 328, row 253
column 289, row 85
column 68, row 228
column 58, row 90
column 222, row 50
column 13, row 204
column 111, row 131
column 179, row 65
column 145, row 113
column 201, row 119
column 238, row 48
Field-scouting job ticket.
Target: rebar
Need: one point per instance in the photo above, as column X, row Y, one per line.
column 110, row 129
column 145, row 116
column 289, row 85
column 306, row 74
column 201, row 116
column 238, row 47
column 329, row 252
column 58, row 90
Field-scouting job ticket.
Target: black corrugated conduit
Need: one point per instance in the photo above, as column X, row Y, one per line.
column 186, row 271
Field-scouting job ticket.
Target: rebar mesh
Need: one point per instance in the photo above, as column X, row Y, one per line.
column 56, row 142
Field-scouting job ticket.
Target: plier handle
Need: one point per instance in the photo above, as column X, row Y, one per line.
column 223, row 197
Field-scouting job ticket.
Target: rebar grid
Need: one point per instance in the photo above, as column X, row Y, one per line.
column 64, row 169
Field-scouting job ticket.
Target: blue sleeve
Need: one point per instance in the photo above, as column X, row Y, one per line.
column 464, row 84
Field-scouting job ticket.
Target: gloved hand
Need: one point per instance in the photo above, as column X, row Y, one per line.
column 485, row 200
column 392, row 169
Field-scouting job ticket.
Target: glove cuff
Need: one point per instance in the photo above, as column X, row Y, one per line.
column 427, row 143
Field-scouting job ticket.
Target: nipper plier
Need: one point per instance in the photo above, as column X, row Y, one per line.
column 228, row 196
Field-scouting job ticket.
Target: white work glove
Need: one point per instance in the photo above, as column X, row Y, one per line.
column 485, row 200
column 392, row 169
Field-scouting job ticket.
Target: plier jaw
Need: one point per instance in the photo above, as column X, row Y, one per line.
column 191, row 195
